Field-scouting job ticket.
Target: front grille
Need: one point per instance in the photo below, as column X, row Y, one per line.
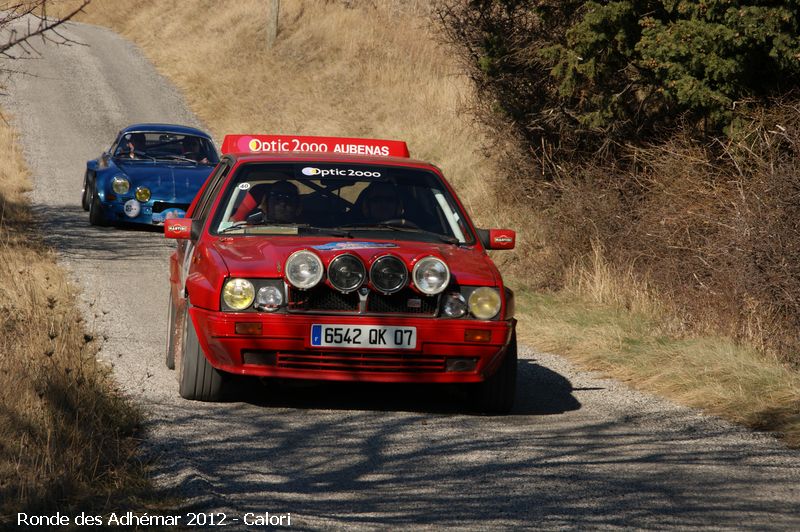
column 161, row 206
column 322, row 298
column 360, row 361
column 405, row 301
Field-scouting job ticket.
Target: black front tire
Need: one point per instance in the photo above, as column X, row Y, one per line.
column 170, row 358
column 496, row 394
column 85, row 197
column 96, row 211
column 198, row 380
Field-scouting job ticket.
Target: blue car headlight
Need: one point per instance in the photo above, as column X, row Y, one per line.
column 120, row 184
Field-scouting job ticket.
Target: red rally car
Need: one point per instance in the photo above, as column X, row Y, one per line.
column 336, row 259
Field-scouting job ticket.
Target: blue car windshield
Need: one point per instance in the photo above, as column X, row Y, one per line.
column 162, row 146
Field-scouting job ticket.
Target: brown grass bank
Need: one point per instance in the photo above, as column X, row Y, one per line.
column 68, row 437
column 710, row 226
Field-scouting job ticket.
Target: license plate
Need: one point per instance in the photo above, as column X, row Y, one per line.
column 363, row 336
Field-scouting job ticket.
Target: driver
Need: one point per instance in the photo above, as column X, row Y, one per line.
column 282, row 203
column 379, row 202
column 135, row 145
column 193, row 150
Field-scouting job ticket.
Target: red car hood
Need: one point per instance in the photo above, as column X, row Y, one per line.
column 262, row 257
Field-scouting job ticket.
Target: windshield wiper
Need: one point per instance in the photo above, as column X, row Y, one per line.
column 178, row 158
column 236, row 225
column 140, row 156
column 244, row 224
column 404, row 229
column 333, row 231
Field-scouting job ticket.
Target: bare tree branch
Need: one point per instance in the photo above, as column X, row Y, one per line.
column 43, row 26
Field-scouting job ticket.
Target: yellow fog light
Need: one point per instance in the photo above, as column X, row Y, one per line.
column 484, row 303
column 143, row 194
column 238, row 294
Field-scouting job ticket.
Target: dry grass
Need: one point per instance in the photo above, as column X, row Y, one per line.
column 67, row 433
column 612, row 322
column 376, row 69
column 704, row 371
column 337, row 68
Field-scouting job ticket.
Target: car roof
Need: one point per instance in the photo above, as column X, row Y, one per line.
column 166, row 128
column 319, row 157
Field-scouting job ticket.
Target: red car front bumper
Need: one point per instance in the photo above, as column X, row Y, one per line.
column 283, row 348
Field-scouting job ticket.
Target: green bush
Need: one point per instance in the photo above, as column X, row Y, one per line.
column 576, row 75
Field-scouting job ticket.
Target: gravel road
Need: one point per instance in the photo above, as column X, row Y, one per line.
column 578, row 452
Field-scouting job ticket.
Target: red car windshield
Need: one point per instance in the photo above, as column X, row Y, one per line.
column 280, row 198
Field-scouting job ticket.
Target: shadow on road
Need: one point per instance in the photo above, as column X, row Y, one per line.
column 67, row 229
column 540, row 391
column 411, row 468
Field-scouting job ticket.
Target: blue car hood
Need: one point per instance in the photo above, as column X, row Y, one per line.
column 167, row 182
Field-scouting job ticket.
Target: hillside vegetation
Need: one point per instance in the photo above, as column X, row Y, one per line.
column 678, row 117
column 645, row 245
column 667, row 137
column 68, row 436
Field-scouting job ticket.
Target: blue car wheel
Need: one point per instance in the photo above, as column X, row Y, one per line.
column 86, row 192
column 96, row 216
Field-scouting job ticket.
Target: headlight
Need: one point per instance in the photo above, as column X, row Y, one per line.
column 484, row 303
column 303, row 269
column 120, row 185
column 143, row 194
column 269, row 298
column 238, row 294
column 346, row 273
column 388, row 274
column 454, row 306
column 431, row 275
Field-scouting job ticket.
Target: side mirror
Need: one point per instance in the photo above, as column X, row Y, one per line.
column 256, row 218
column 497, row 238
column 179, row 228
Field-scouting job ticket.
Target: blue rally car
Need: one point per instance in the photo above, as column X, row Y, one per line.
column 152, row 172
